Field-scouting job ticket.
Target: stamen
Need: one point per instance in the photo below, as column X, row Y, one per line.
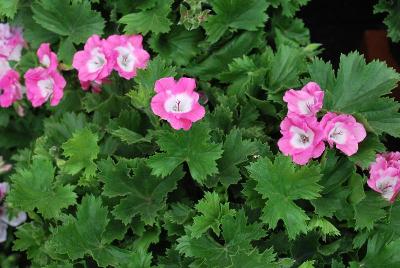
column 304, row 139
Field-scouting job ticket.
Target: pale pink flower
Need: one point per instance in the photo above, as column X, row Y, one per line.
column 4, row 167
column 10, row 87
column 43, row 84
column 94, row 63
column 4, row 188
column 177, row 102
column 306, row 102
column 5, row 220
column 11, row 42
column 385, row 175
column 343, row 131
column 127, row 53
column 302, row 138
column 46, row 57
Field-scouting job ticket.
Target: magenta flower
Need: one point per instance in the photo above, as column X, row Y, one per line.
column 302, row 138
column 343, row 131
column 177, row 102
column 11, row 42
column 43, row 84
column 385, row 175
column 127, row 53
column 306, row 102
column 94, row 63
column 5, row 220
column 10, row 87
column 46, row 57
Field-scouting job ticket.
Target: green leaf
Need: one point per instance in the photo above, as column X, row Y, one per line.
column 367, row 151
column 237, row 234
column 286, row 66
column 235, row 14
column 35, row 188
column 141, row 193
column 336, row 170
column 128, row 136
column 290, row 31
column 218, row 61
column 193, row 147
column 156, row 69
column 150, row 20
column 369, row 210
column 281, row 183
column 179, row 45
column 30, row 237
column 236, row 152
column 289, row 7
column 66, row 51
column 212, row 212
column 244, row 75
column 83, row 235
column 8, row 8
column 392, row 19
column 70, row 19
column 324, row 225
column 358, row 89
column 381, row 252
column 81, row 150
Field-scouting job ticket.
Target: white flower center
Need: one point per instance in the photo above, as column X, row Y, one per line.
column 97, row 60
column 386, row 186
column 338, row 134
column 46, row 87
column 305, row 106
column 301, row 139
column 180, row 103
column 126, row 59
column 45, row 61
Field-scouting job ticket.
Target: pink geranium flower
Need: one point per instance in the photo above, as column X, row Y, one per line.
column 306, row 102
column 46, row 57
column 127, row 53
column 343, row 131
column 302, row 138
column 11, row 42
column 177, row 102
column 94, row 63
column 385, row 175
column 43, row 84
column 10, row 87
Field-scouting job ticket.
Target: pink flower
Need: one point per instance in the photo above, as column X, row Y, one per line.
column 302, row 138
column 11, row 42
column 94, row 63
column 343, row 131
column 10, row 87
column 43, row 84
column 177, row 102
column 306, row 102
column 46, row 57
column 128, row 54
column 385, row 175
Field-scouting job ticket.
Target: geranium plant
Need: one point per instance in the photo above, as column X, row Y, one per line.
column 190, row 133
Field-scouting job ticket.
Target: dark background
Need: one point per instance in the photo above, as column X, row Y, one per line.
column 340, row 25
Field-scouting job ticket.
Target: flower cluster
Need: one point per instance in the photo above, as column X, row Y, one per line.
column 303, row 136
column 11, row 44
column 45, row 82
column 385, row 175
column 5, row 219
column 122, row 53
column 177, row 102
